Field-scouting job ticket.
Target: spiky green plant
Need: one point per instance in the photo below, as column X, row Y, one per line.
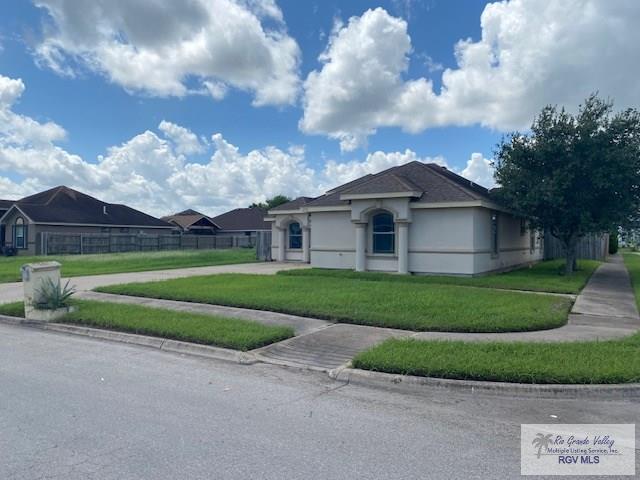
column 53, row 295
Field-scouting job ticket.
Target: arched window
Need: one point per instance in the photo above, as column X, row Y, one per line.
column 384, row 233
column 19, row 233
column 295, row 235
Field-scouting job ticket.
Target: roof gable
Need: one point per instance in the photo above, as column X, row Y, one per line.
column 433, row 184
column 67, row 206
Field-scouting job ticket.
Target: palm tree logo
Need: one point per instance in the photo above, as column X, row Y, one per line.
column 542, row 441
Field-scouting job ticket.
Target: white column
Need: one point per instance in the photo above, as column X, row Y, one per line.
column 361, row 243
column 282, row 240
column 403, row 248
column 306, row 253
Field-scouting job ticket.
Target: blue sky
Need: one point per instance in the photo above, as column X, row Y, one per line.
column 86, row 92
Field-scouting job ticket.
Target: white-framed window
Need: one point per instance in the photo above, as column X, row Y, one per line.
column 19, row 233
column 494, row 234
column 383, row 233
column 295, row 236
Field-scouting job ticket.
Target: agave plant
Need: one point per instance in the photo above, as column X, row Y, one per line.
column 53, row 295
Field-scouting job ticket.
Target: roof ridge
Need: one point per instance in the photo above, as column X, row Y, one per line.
column 387, row 171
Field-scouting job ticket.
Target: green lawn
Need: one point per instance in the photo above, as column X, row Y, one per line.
column 542, row 277
column 614, row 361
column 381, row 303
column 225, row 332
column 74, row 265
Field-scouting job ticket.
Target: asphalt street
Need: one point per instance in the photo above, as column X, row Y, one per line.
column 78, row 408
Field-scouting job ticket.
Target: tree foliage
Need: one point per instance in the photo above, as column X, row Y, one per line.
column 574, row 174
column 272, row 202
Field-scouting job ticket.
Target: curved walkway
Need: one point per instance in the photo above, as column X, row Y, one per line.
column 605, row 309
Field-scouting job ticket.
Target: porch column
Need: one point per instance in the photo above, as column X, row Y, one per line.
column 282, row 240
column 403, row 247
column 361, row 245
column 306, row 253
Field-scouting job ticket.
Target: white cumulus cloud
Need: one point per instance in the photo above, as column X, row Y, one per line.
column 157, row 47
column 157, row 175
column 479, row 170
column 531, row 53
column 186, row 142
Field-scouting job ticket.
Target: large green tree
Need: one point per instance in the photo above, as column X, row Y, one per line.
column 573, row 174
column 272, row 202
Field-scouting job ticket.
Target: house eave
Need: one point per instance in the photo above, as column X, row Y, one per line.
column 106, row 225
column 15, row 206
column 467, row 204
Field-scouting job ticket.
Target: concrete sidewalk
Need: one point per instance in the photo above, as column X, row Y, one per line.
column 12, row 292
column 301, row 325
column 604, row 310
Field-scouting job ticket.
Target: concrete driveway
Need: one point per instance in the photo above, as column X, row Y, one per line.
column 11, row 292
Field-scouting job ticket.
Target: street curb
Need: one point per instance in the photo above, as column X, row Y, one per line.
column 174, row 346
column 425, row 385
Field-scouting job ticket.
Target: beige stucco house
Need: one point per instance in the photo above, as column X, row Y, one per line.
column 415, row 218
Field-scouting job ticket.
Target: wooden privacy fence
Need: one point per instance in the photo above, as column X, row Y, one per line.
column 53, row 243
column 594, row 246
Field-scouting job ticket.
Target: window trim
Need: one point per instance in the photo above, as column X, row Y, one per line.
column 391, row 233
column 291, row 236
column 19, row 224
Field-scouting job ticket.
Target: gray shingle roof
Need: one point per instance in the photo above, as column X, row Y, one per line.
column 293, row 204
column 189, row 218
column 246, row 219
column 65, row 205
column 436, row 183
column 6, row 204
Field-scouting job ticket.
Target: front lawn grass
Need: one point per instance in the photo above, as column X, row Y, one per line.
column 220, row 331
column 382, row 303
column 544, row 276
column 74, row 265
column 612, row 361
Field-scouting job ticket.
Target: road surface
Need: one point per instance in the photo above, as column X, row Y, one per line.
column 77, row 408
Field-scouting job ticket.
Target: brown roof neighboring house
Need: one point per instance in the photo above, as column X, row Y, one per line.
column 242, row 220
column 66, row 206
column 5, row 205
column 191, row 220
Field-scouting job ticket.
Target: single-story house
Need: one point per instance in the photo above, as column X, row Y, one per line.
column 192, row 222
column 64, row 210
column 242, row 221
column 4, row 206
column 415, row 218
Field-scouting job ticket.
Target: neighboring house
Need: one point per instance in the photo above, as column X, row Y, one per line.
column 4, row 206
column 64, row 210
column 242, row 221
column 192, row 222
column 414, row 218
